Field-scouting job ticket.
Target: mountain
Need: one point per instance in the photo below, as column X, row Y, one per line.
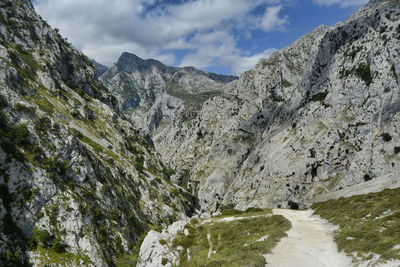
column 99, row 68
column 318, row 116
column 79, row 185
column 148, row 90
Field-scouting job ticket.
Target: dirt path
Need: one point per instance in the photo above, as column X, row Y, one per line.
column 209, row 244
column 309, row 243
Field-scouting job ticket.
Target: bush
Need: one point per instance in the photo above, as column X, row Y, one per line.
column 8, row 258
column 364, row 72
column 386, row 137
column 138, row 164
column 367, row 177
column 397, row 149
column 169, row 172
column 162, row 242
column 252, row 209
column 42, row 237
column 293, row 205
column 3, row 102
column 319, row 96
column 58, row 246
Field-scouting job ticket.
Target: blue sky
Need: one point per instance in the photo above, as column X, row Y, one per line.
column 222, row 36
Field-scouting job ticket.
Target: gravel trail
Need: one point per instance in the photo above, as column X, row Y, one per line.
column 309, row 243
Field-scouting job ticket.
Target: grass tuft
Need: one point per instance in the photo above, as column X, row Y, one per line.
column 235, row 243
column 368, row 223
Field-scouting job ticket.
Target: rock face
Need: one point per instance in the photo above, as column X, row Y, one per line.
column 79, row 184
column 99, row 68
column 318, row 116
column 149, row 91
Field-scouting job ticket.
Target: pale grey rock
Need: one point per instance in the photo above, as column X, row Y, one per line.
column 152, row 252
column 306, row 121
column 73, row 168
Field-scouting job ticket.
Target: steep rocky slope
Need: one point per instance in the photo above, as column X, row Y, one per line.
column 317, row 116
column 79, row 184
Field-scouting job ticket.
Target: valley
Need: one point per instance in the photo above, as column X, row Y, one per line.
column 292, row 163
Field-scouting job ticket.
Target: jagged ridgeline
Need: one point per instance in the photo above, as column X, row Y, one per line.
column 79, row 184
column 318, row 116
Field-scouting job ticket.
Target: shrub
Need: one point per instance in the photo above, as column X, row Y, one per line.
column 42, row 237
column 164, row 261
column 169, row 172
column 397, row 149
column 138, row 164
column 364, row 72
column 8, row 258
column 386, row 137
column 367, row 177
column 252, row 209
column 293, row 205
column 3, row 101
column 58, row 246
column 319, row 96
column 162, row 242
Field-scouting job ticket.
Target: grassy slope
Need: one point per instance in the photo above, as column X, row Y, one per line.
column 369, row 223
column 236, row 243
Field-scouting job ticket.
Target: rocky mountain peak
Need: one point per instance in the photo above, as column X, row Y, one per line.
column 130, row 63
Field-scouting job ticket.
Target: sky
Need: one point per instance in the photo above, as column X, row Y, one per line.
column 221, row 36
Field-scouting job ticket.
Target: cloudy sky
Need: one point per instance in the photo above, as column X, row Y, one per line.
column 223, row 36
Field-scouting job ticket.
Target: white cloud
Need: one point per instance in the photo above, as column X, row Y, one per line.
column 218, row 48
column 271, row 20
column 203, row 29
column 341, row 3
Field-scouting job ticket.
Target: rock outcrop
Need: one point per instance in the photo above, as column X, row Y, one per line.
column 79, row 185
column 316, row 117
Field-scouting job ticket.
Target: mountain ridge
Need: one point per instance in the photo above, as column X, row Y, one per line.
column 229, row 147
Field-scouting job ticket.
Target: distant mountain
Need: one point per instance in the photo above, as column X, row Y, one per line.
column 99, row 68
column 318, row 116
column 144, row 87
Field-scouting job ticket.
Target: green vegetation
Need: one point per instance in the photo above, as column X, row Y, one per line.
column 13, row 137
column 386, row 137
column 236, row 243
column 191, row 100
column 227, row 212
column 320, row 96
column 3, row 102
column 369, row 223
column 12, row 259
column 364, row 72
column 42, row 237
column 49, row 257
column 286, row 83
column 130, row 260
column 138, row 164
column 44, row 105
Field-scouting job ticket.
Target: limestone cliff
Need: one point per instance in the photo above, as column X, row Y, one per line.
column 79, row 184
column 317, row 116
